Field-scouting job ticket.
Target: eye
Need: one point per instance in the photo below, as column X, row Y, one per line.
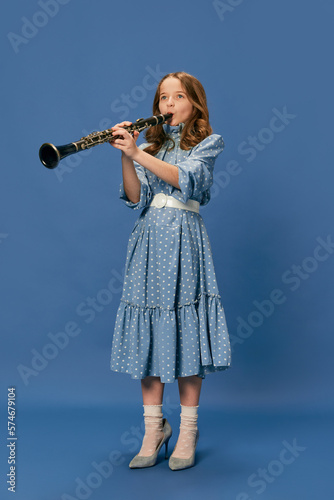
column 163, row 97
column 180, row 95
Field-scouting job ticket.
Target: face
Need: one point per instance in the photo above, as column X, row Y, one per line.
column 173, row 99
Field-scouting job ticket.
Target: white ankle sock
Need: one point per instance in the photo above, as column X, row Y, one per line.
column 153, row 429
column 189, row 418
column 188, row 428
column 153, row 410
column 189, row 411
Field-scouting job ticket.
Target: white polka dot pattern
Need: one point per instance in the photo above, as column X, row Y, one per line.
column 170, row 321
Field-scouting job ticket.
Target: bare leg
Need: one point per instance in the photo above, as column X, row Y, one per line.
column 153, row 390
column 190, row 389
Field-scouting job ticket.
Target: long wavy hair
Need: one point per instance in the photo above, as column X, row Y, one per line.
column 195, row 129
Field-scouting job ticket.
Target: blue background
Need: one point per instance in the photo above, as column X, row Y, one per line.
column 72, row 67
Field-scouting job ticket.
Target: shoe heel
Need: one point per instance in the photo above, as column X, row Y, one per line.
column 166, row 450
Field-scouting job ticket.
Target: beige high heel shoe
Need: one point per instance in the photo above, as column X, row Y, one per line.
column 183, row 463
column 140, row 462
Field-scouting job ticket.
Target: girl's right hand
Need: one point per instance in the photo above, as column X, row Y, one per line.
column 122, row 125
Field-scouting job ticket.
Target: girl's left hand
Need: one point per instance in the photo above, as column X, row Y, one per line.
column 128, row 142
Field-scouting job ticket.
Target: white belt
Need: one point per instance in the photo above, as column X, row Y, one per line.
column 161, row 200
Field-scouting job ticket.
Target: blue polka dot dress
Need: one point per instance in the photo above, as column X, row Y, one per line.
column 170, row 321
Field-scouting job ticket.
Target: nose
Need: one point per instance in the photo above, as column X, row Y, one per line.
column 170, row 101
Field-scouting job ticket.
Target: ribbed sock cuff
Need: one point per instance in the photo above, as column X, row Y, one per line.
column 153, row 410
column 189, row 411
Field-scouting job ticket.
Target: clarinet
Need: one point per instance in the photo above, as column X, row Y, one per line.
column 51, row 155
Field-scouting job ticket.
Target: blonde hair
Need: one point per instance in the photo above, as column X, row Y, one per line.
column 195, row 129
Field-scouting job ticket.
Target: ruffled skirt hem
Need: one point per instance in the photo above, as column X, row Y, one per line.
column 202, row 373
column 191, row 339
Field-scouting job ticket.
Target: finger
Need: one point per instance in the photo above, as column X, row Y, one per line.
column 117, row 146
column 122, row 124
column 121, row 142
column 124, row 133
column 119, row 131
column 135, row 135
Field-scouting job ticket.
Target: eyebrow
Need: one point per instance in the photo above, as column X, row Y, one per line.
column 177, row 92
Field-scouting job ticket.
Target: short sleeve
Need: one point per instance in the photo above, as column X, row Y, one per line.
column 196, row 171
column 145, row 188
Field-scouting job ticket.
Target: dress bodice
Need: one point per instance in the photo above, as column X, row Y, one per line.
column 195, row 169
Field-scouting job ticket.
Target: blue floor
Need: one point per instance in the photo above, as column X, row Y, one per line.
column 67, row 454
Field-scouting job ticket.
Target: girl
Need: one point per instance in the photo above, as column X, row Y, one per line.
column 170, row 323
